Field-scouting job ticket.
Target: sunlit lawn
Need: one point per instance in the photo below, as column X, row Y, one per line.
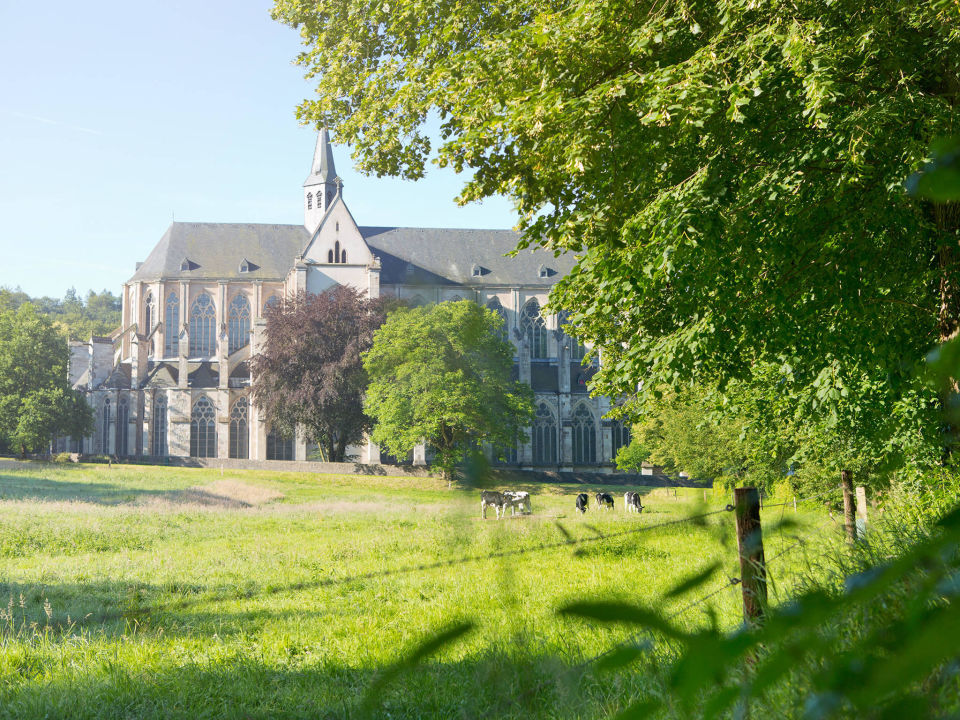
column 192, row 593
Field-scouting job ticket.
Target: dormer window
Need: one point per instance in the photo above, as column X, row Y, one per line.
column 545, row 272
column 478, row 271
column 187, row 264
column 246, row 266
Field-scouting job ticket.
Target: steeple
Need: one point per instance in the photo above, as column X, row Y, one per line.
column 322, row 184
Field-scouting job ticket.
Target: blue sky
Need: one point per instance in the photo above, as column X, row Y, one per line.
column 116, row 117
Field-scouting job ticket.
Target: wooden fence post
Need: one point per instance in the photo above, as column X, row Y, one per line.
column 753, row 570
column 846, row 480
column 861, row 511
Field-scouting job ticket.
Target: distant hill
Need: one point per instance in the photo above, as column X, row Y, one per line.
column 98, row 314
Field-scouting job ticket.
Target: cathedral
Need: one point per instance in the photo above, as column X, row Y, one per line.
column 174, row 380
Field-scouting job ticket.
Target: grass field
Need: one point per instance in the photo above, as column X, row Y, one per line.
column 154, row 592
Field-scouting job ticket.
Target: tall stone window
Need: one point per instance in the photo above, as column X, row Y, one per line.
column 203, row 327
column 239, row 436
column 147, row 313
column 159, row 440
column 309, row 201
column 203, row 429
column 272, row 301
column 105, row 427
column 534, row 329
column 123, row 426
column 584, row 436
column 238, row 323
column 577, row 350
column 621, row 436
column 544, row 437
column 171, row 326
column 279, row 447
column 496, row 307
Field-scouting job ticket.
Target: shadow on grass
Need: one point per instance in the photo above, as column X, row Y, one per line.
column 302, row 681
column 19, row 487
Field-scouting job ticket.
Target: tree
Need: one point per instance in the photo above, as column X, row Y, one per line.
column 442, row 374
column 36, row 401
column 309, row 373
column 730, row 173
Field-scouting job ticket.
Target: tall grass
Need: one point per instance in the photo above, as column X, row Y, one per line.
column 157, row 592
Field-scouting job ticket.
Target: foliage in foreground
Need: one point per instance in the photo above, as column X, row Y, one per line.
column 731, row 173
column 443, row 374
column 308, row 374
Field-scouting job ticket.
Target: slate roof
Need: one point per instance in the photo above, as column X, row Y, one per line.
column 409, row 256
column 444, row 256
column 215, row 250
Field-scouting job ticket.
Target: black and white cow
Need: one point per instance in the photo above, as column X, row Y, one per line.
column 492, row 498
column 604, row 500
column 583, row 500
column 518, row 500
column 631, row 502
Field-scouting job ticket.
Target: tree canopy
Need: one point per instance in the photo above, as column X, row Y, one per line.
column 36, row 400
column 309, row 373
column 730, row 173
column 442, row 374
column 98, row 314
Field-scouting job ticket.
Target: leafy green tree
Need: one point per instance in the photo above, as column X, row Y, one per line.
column 36, row 401
column 731, row 173
column 442, row 374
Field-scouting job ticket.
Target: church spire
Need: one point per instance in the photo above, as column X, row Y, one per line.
column 322, row 184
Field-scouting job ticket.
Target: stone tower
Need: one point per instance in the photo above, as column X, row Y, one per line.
column 321, row 185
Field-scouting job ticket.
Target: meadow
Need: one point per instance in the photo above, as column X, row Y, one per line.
column 142, row 592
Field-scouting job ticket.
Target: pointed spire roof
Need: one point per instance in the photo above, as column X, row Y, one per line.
column 322, row 171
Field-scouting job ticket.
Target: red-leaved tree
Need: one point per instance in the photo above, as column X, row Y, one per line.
column 308, row 372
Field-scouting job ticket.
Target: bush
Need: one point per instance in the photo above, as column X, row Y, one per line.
column 63, row 457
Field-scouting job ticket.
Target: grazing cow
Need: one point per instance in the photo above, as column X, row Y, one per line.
column 493, row 499
column 604, row 500
column 631, row 501
column 583, row 500
column 518, row 500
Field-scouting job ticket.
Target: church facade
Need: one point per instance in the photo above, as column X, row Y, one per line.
column 174, row 381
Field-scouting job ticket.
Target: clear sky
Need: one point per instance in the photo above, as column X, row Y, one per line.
column 116, row 117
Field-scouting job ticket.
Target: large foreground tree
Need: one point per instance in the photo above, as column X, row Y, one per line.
column 36, row 400
column 309, row 374
column 442, row 374
column 730, row 172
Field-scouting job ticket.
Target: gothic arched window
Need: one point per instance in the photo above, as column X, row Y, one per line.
column 336, row 252
column 238, row 324
column 159, row 448
column 203, row 327
column 239, row 437
column 123, row 426
column 534, row 329
column 621, row 436
column 271, row 302
column 544, row 437
column 279, row 447
column 171, row 326
column 203, row 429
column 343, row 256
column 584, row 436
column 105, row 428
column 330, row 256
column 496, row 307
column 577, row 350
column 147, row 313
